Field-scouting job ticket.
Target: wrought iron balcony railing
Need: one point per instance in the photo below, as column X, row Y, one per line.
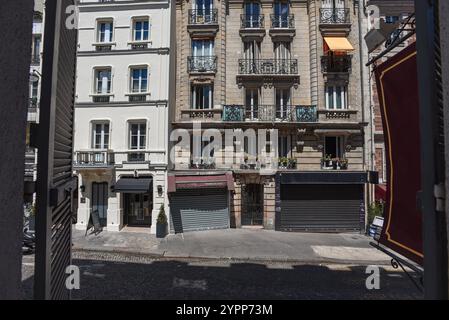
column 203, row 16
column 252, row 21
column 137, row 98
column 268, row 66
column 336, row 63
column 94, row 158
column 202, row 163
column 202, row 64
column 306, row 114
column 335, row 16
column 273, row 113
column 282, row 21
column 99, row 98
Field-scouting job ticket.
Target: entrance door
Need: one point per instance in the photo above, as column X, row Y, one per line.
column 100, row 201
column 138, row 208
column 252, row 205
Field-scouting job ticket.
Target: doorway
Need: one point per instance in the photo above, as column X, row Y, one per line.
column 252, row 205
column 100, row 201
column 138, row 208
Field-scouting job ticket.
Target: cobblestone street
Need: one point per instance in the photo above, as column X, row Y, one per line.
column 127, row 276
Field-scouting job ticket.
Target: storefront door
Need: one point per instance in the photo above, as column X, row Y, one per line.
column 138, row 208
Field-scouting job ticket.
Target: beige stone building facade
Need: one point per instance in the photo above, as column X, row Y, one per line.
column 292, row 72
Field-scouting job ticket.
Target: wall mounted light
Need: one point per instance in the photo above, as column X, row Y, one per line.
column 82, row 188
column 159, row 189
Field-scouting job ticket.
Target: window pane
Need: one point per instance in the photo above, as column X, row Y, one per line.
column 338, row 92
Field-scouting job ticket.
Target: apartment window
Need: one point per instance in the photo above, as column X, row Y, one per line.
column 105, row 31
column 103, row 81
column 252, row 102
column 252, row 50
column 139, row 80
column 34, row 89
column 252, row 15
column 137, row 141
column 202, row 96
column 282, row 102
column 282, row 50
column 36, row 48
column 336, row 97
column 100, row 135
column 331, row 4
column 284, row 146
column 281, row 14
column 141, row 29
column 203, row 7
column 202, row 48
column 333, row 147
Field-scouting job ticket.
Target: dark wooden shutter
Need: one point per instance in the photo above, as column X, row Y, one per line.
column 54, row 140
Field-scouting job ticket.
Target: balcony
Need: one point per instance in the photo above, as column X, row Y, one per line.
column 201, row 115
column 101, row 98
column 268, row 70
column 202, row 22
column 137, row 97
column 93, row 159
column 338, row 115
column 336, row 64
column 252, row 27
column 335, row 21
column 269, row 113
column 202, row 64
column 202, row 163
column 282, row 27
column 334, row 164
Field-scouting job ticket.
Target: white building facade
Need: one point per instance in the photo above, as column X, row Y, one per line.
column 121, row 112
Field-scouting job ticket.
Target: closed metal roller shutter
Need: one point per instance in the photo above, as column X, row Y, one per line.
column 193, row 210
column 321, row 207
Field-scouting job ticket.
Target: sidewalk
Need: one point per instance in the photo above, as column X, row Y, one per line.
column 239, row 244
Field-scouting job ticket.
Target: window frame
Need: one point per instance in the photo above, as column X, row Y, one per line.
column 97, row 70
column 99, row 32
column 134, row 21
column 343, row 97
column 138, row 123
column 131, row 79
column 339, row 147
column 103, row 134
column 193, row 93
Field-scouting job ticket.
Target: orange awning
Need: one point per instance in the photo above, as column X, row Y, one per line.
column 338, row 44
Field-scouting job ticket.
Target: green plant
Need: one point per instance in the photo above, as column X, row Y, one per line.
column 162, row 217
column 375, row 209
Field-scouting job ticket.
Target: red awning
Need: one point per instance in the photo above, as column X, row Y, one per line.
column 381, row 192
column 200, row 181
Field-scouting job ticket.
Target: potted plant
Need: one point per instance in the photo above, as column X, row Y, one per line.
column 161, row 225
column 326, row 161
column 283, row 162
column 291, row 163
column 344, row 164
column 335, row 163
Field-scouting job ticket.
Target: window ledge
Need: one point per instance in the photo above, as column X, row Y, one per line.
column 138, row 93
column 103, row 44
column 101, row 94
column 140, row 42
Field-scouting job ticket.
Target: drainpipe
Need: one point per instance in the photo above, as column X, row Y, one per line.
column 368, row 143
